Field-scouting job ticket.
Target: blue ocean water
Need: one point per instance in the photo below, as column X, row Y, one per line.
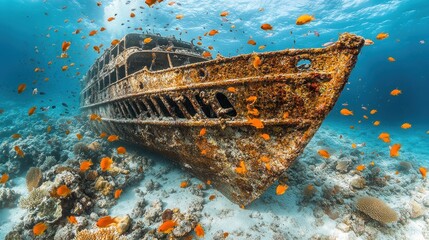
column 33, row 31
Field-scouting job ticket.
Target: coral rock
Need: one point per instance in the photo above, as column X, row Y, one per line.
column 376, row 209
column 33, row 178
column 123, row 223
column 94, row 146
column 417, row 210
column 109, row 233
column 7, row 198
column 103, row 186
column 358, row 182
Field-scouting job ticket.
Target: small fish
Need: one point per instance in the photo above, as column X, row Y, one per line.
column 395, row 92
column 241, row 169
column 231, row 89
column 21, row 88
column 406, row 125
column 117, row 193
column 63, row 191
column 368, row 42
column 97, row 49
column 79, row 136
column 382, row 36
column 304, row 19
column 31, row 111
column 394, row 150
column 212, row 197
column 147, row 40
column 113, row 138
column 64, row 68
column 179, row 16
column 423, row 171
column 114, row 42
column 67, row 132
column 103, row 135
column 376, row 123
column 150, row 2
column 4, row 178
column 184, row 184
column 65, row 46
column 354, row 145
column 110, row 19
column 132, row 15
column 98, row 4
column 39, row 228
column 94, row 117
column 327, row 44
column 213, row 32
column 262, row 47
column 391, row 59
column 266, row 27
column 92, row 33
column 167, row 226
column 224, row 14
column 48, row 129
column 324, row 153
column 346, row 112
column 121, row 150
column 65, row 104
column 251, row 42
column 360, row 167
column 199, row 231
column 422, row 41
column 203, row 132
column 210, row 47
column 72, row 219
column 256, row 61
column 85, row 165
column 16, row 136
column 265, row 136
column 106, row 221
column 106, row 164
column 255, row 122
column 373, row 111
column 281, row 189
column 206, row 54
column 385, row 137
column 102, row 29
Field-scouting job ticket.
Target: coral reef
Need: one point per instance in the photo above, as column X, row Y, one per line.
column 7, row 197
column 109, row 233
column 376, row 209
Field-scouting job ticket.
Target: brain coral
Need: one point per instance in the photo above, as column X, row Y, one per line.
column 376, row 209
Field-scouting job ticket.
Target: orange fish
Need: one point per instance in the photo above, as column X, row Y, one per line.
column 106, row 221
column 132, row 15
column 72, row 219
column 241, row 169
column 395, row 92
column 266, row 27
column 31, row 111
column 199, row 231
column 65, row 46
column 346, row 112
column 365, row 116
column 265, row 136
column 63, row 191
column 376, row 123
column 97, row 49
column 385, row 137
column 67, row 132
column 121, row 150
column 18, row 151
column 179, row 16
column 391, row 59
column 21, row 88
column 202, row 132
column 93, row 32
column 406, row 126
column 102, row 29
column 231, row 89
column 394, row 150
column 304, row 19
column 210, row 47
column 251, row 42
column 79, row 136
column 323, row 153
column 281, row 189
column 167, row 226
column 114, row 42
column 256, row 62
column 39, row 228
column 117, row 193
column 4, row 178
column 110, row 19
column 354, row 145
column 422, row 171
column 171, row 3
column 106, row 164
column 94, row 117
column 382, row 36
column 255, row 122
column 85, row 165
column 48, row 129
column 16, row 136
column 147, row 40
column 368, row 42
column 103, row 135
column 150, row 2
column 64, row 68
column 224, row 14
column 206, row 54
column 360, row 167
column 184, row 184
column 113, row 138
column 212, row 197
column 213, row 32
column 373, row 111
column 251, row 100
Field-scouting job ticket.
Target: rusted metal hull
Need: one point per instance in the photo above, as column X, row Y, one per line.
column 165, row 111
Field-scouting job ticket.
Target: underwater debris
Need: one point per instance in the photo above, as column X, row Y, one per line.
column 376, row 209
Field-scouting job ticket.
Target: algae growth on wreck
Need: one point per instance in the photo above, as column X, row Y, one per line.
column 195, row 120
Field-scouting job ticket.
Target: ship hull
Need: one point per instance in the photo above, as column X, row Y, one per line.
column 238, row 125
